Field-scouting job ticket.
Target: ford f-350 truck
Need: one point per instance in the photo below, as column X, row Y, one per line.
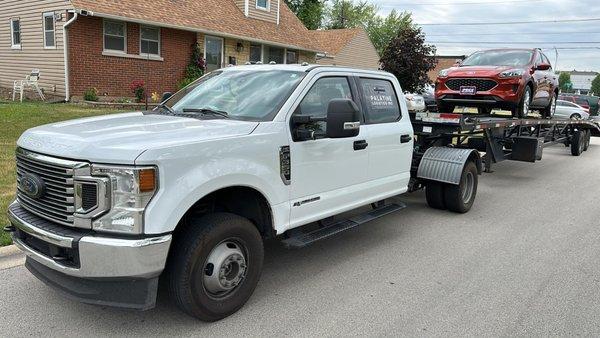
column 189, row 191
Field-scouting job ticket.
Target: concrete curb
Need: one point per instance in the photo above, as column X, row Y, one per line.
column 10, row 257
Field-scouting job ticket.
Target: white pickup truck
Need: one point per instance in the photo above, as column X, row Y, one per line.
column 189, row 191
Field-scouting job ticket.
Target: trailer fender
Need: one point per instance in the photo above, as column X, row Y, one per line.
column 443, row 164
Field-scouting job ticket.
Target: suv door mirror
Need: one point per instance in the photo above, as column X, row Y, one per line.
column 343, row 119
column 542, row 66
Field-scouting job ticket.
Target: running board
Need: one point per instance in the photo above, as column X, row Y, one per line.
column 306, row 239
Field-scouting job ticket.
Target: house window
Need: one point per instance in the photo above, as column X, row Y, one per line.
column 15, row 33
column 149, row 40
column 274, row 54
column 291, row 56
column 255, row 53
column 49, row 40
column 114, row 36
column 262, row 4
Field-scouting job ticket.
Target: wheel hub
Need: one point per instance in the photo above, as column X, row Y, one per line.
column 225, row 268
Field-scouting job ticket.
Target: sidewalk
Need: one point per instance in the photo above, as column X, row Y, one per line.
column 10, row 257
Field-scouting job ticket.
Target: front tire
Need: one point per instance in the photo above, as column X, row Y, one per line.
column 522, row 109
column 549, row 111
column 215, row 265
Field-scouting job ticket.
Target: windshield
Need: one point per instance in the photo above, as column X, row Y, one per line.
column 254, row 95
column 518, row 58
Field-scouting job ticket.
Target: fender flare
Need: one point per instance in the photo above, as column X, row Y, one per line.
column 444, row 164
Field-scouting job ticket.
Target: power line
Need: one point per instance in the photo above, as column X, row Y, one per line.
column 507, row 22
column 502, row 34
column 520, row 42
column 467, row 3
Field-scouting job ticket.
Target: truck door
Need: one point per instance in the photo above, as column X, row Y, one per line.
column 327, row 175
column 390, row 136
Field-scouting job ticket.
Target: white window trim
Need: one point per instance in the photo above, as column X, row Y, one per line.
column 44, row 16
column 222, row 48
column 159, row 41
column 12, row 34
column 124, row 33
column 268, row 8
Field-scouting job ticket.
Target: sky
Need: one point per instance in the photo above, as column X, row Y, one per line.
column 465, row 39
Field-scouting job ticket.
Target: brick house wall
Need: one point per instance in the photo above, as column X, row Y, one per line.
column 112, row 75
column 443, row 63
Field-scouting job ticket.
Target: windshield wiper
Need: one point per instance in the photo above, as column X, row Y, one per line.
column 206, row 111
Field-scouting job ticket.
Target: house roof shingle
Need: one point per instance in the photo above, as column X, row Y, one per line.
column 209, row 16
column 334, row 40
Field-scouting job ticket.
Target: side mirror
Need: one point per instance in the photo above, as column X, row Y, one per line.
column 166, row 96
column 457, row 63
column 343, row 119
column 543, row 66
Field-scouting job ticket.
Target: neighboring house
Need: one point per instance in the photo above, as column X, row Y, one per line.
column 443, row 62
column 107, row 44
column 347, row 47
column 582, row 81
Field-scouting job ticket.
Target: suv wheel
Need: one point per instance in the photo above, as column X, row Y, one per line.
column 522, row 110
column 215, row 266
column 549, row 111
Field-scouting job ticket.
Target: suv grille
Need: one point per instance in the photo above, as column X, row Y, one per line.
column 482, row 85
column 57, row 200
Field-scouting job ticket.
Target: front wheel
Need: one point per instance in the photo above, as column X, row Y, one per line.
column 522, row 109
column 549, row 111
column 460, row 198
column 215, row 265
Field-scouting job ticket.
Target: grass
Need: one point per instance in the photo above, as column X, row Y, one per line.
column 15, row 118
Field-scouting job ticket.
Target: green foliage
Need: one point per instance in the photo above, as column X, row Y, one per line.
column 90, row 94
column 564, row 81
column 382, row 30
column 409, row 58
column 596, row 85
column 348, row 14
column 195, row 69
column 310, row 12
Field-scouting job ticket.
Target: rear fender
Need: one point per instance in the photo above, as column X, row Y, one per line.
column 444, row 164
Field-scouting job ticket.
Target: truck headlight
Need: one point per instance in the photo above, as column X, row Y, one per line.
column 512, row 73
column 130, row 189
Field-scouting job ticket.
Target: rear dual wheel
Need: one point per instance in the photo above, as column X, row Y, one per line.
column 456, row 198
column 578, row 142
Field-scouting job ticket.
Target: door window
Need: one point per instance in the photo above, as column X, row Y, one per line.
column 381, row 101
column 316, row 101
column 214, row 53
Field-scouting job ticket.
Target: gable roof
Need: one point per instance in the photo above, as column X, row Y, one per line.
column 220, row 17
column 334, row 40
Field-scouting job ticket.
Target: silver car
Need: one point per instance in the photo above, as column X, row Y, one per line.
column 570, row 110
column 415, row 102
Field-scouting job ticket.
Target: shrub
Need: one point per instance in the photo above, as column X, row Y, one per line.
column 137, row 88
column 195, row 68
column 90, row 94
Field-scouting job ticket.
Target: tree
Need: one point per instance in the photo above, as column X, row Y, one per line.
column 409, row 58
column 382, row 30
column 310, row 12
column 564, row 81
column 596, row 85
column 347, row 14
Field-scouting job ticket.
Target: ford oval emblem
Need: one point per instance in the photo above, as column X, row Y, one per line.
column 32, row 185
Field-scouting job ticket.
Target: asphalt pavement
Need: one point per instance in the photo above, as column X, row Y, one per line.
column 524, row 261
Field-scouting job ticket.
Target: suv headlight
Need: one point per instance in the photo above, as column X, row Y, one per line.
column 512, row 73
column 130, row 189
column 443, row 72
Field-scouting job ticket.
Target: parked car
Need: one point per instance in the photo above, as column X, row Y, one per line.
column 577, row 100
column 594, row 103
column 511, row 79
column 415, row 102
column 428, row 94
column 570, row 110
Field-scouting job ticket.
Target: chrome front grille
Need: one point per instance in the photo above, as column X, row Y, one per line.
column 57, row 203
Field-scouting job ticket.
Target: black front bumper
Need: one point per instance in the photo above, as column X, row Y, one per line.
column 139, row 294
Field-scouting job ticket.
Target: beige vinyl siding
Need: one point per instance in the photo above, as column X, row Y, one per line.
column 241, row 5
column 358, row 53
column 261, row 14
column 15, row 64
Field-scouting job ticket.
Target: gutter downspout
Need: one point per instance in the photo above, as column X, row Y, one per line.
column 66, row 55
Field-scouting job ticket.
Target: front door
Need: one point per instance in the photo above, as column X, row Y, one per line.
column 328, row 175
column 213, row 53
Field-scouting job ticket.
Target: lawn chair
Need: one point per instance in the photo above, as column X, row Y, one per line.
column 30, row 81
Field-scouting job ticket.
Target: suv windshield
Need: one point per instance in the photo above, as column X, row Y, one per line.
column 518, row 58
column 253, row 95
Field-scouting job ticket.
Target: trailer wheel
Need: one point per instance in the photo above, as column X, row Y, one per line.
column 588, row 137
column 215, row 266
column 434, row 193
column 459, row 198
column 577, row 143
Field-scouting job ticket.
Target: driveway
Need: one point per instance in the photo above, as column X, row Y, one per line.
column 524, row 261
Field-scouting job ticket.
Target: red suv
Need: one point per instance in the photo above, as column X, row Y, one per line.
column 512, row 79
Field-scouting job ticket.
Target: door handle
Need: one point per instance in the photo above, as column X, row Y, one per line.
column 405, row 138
column 360, row 145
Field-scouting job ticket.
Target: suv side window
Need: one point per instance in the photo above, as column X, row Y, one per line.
column 546, row 60
column 380, row 100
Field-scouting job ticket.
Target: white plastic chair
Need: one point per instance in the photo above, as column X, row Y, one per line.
column 30, row 81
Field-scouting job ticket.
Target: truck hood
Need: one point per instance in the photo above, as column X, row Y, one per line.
column 121, row 138
column 478, row 71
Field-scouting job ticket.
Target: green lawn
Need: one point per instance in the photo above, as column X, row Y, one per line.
column 15, row 118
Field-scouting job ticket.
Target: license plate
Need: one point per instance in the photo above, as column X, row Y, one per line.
column 468, row 90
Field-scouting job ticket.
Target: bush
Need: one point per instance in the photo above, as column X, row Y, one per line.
column 137, row 88
column 195, row 68
column 90, row 94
